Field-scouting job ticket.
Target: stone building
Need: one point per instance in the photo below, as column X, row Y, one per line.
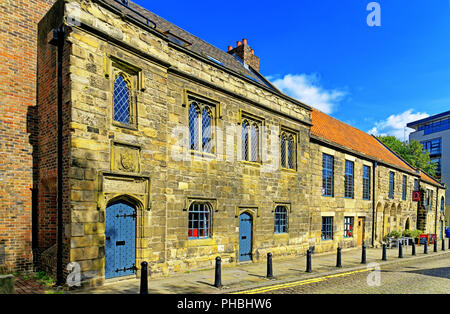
column 153, row 145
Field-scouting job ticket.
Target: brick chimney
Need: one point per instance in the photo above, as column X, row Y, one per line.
column 245, row 53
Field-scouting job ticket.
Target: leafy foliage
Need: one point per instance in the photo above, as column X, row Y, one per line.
column 412, row 152
column 412, row 233
column 395, row 234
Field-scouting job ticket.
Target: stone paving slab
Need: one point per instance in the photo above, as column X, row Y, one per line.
column 252, row 275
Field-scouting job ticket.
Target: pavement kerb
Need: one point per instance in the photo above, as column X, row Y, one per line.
column 300, row 276
column 337, row 271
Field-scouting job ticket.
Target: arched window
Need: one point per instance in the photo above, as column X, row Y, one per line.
column 255, row 143
column 245, row 141
column 206, row 131
column 287, row 153
column 283, row 150
column 199, row 221
column 200, row 127
column 281, row 219
column 442, row 204
column 122, row 99
column 291, row 152
column 194, row 113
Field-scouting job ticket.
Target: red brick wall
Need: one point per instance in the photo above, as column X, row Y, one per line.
column 18, row 81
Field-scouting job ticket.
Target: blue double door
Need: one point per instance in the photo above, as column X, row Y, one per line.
column 120, row 231
column 245, row 237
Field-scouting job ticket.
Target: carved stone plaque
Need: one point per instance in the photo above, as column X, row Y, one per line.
column 125, row 158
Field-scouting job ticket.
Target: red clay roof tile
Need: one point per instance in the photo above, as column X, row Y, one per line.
column 338, row 132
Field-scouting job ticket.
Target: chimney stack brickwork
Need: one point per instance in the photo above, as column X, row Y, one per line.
column 245, row 53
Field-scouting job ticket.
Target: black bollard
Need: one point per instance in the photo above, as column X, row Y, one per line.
column 144, row 278
column 435, row 246
column 449, row 243
column 443, row 244
column 218, row 277
column 269, row 266
column 413, row 248
column 308, row 261
column 400, row 250
column 363, row 256
column 338, row 258
column 425, row 248
column 384, row 255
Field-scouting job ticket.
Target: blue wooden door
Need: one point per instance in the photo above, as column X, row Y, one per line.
column 245, row 237
column 120, row 252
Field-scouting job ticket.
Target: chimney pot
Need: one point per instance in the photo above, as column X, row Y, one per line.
column 253, row 51
column 239, row 43
column 244, row 41
column 230, row 48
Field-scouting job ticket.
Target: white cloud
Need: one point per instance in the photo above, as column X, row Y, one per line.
column 395, row 125
column 306, row 89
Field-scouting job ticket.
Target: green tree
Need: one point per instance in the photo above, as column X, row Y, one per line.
column 412, row 152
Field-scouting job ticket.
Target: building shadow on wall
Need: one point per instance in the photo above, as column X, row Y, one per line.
column 32, row 130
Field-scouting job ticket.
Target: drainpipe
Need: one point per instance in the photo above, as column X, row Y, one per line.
column 436, row 215
column 58, row 41
column 375, row 164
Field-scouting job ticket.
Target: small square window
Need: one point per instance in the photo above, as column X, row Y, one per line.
column 327, row 228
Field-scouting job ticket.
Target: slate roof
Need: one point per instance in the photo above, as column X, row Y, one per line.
column 197, row 45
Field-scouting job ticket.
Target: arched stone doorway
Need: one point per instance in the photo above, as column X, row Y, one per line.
column 386, row 221
column 408, row 224
column 120, row 237
column 379, row 223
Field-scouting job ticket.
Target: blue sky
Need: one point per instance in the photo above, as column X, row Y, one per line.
column 324, row 53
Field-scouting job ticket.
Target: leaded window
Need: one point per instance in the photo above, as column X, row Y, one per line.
column 122, row 100
column 327, row 175
column 430, row 207
column 287, row 150
column 281, row 221
column 391, row 184
column 251, row 141
column 404, row 186
column 349, row 178
column 327, row 228
column 201, row 127
column 199, row 221
column 291, row 152
column 366, row 182
column 254, row 138
column 206, row 131
column 194, row 114
column 348, row 227
column 283, row 150
column 245, row 141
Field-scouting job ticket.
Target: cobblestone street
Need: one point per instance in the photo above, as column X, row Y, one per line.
column 427, row 276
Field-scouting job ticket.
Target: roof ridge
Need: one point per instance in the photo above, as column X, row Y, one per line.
column 395, row 154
